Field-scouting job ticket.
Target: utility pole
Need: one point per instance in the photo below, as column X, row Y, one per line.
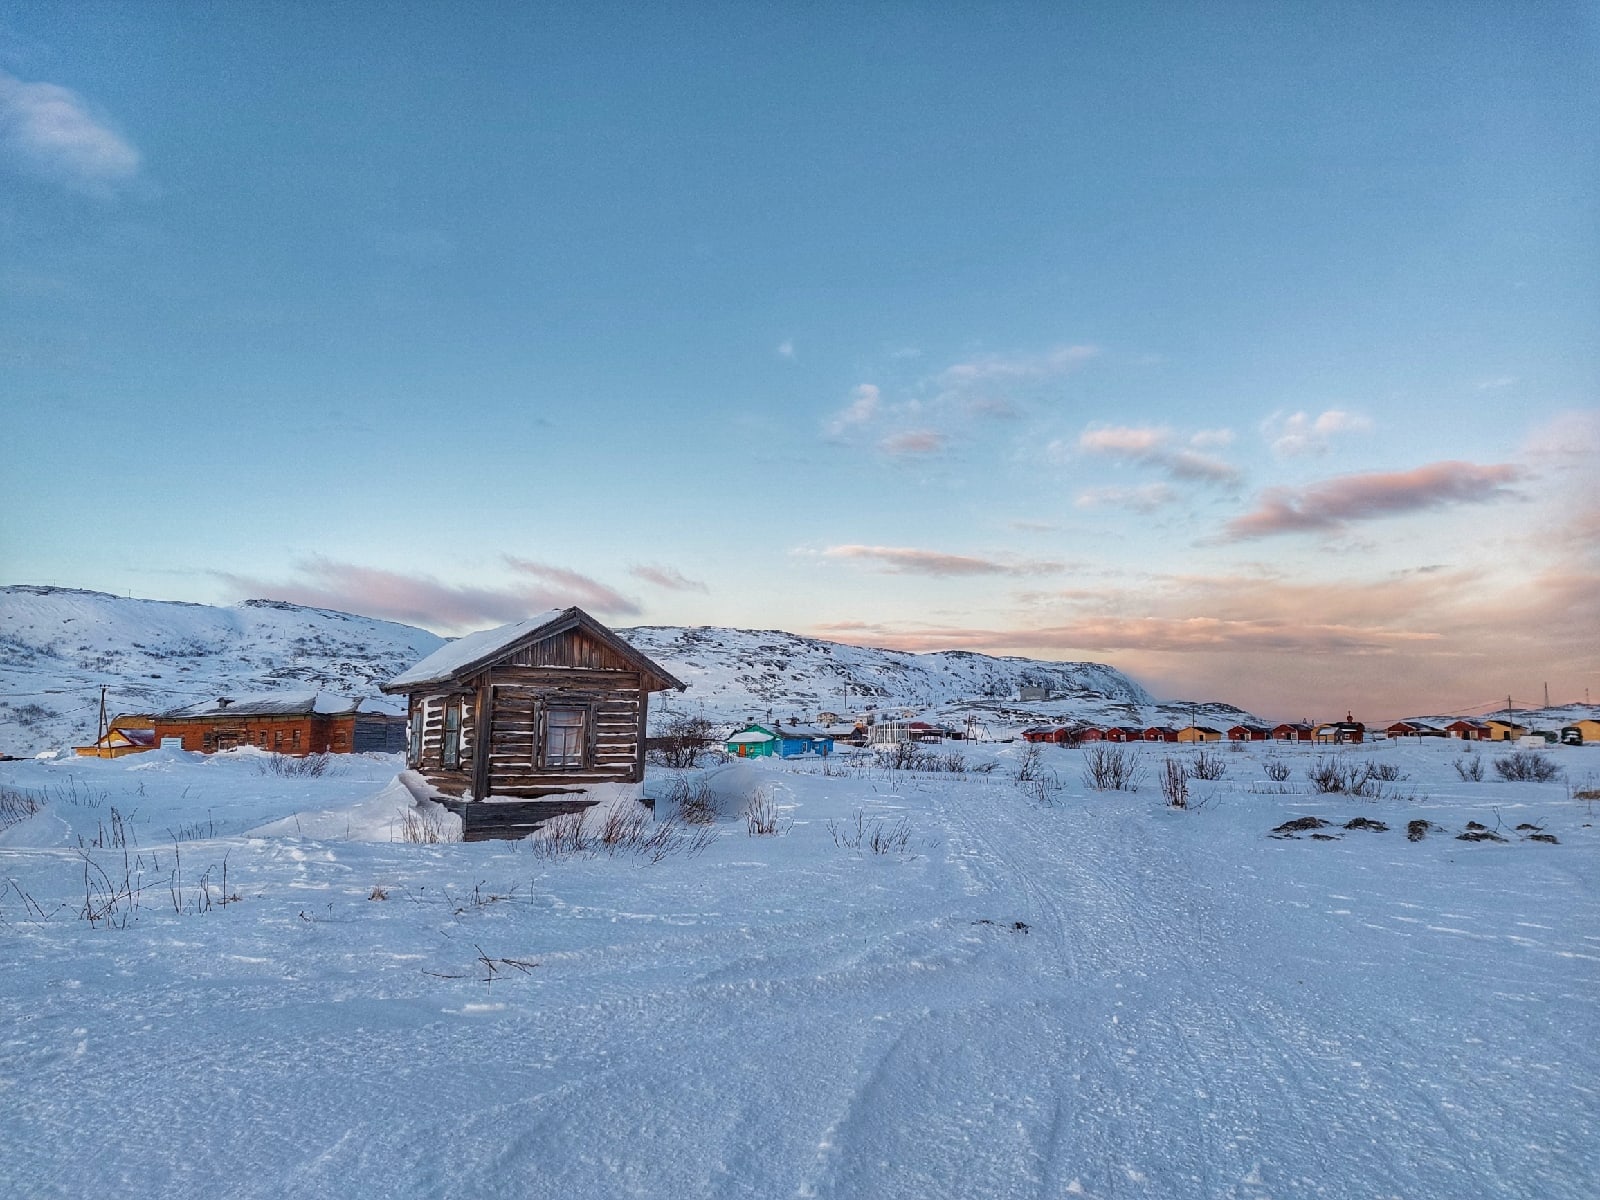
column 1547, row 693
column 100, row 733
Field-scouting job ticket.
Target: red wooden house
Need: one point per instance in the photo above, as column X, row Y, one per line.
column 1249, row 733
column 1160, row 733
column 1292, row 732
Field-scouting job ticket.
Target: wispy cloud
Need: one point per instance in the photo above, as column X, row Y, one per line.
column 1157, row 446
column 1333, row 503
column 906, row 560
column 913, row 442
column 1295, row 434
column 424, row 600
column 49, row 132
column 786, row 348
column 992, row 368
column 862, row 408
column 1137, row 499
column 667, row 577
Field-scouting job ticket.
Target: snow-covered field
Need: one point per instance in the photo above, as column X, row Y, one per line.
column 1043, row 992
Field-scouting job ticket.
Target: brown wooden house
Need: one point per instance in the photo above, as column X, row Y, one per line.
column 1292, row 731
column 298, row 723
column 1249, row 733
column 543, row 707
column 1160, row 733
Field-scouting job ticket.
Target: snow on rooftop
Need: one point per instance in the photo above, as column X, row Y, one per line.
column 452, row 656
column 262, row 704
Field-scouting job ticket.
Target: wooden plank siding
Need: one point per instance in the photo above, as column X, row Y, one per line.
column 515, row 700
column 508, row 683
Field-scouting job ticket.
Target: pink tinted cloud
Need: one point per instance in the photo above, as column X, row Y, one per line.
column 667, row 577
column 1333, row 503
column 912, row 442
column 1153, row 446
column 907, row 560
column 423, row 600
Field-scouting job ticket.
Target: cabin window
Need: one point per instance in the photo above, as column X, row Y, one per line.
column 564, row 736
column 450, row 751
column 414, row 741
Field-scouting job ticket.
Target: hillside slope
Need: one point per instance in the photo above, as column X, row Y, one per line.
column 59, row 645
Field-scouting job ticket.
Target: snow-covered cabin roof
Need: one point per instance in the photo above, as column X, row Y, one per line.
column 750, row 737
column 282, row 704
column 467, row 655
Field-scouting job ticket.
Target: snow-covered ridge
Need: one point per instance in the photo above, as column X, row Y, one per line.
column 59, row 645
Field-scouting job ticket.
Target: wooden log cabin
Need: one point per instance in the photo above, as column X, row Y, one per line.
column 540, row 708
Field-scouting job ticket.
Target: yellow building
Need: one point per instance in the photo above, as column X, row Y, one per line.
column 1199, row 733
column 118, row 742
column 1502, row 731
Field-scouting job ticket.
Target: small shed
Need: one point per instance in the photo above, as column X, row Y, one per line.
column 1581, row 733
column 1340, row 733
column 752, row 741
column 538, row 708
column 118, row 741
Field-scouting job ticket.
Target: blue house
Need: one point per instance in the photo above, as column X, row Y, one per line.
column 794, row 742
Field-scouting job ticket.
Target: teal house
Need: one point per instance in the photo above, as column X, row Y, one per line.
column 753, row 741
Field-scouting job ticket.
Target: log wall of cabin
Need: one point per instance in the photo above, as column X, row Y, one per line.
column 518, row 699
column 431, row 761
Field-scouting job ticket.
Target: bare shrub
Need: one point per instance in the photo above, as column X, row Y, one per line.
column 1336, row 775
column 1339, row 775
column 1030, row 766
column 629, row 833
column 761, row 814
column 428, row 826
column 884, row 837
column 1526, row 766
column 693, row 800
column 905, row 756
column 620, row 826
column 1277, row 770
column 1175, row 783
column 1112, row 768
column 17, row 805
column 954, row 762
column 1208, row 764
column 1470, row 768
column 310, row 766
column 681, row 740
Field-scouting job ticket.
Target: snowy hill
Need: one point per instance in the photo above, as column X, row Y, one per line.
column 59, row 645
column 736, row 674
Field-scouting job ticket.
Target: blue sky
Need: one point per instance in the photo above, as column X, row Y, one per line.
column 1250, row 348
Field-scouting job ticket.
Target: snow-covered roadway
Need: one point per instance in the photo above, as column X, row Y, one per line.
column 1095, row 996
